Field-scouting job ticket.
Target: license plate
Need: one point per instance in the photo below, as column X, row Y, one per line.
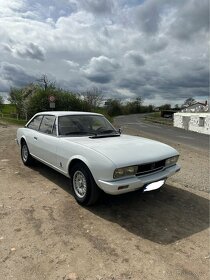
column 154, row 186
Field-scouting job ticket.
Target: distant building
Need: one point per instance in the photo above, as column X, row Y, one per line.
column 198, row 107
column 197, row 121
column 168, row 113
column 195, row 117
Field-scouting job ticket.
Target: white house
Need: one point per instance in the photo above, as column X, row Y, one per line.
column 196, row 107
column 199, row 122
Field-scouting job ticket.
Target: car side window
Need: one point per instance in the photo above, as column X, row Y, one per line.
column 54, row 131
column 35, row 123
column 47, row 124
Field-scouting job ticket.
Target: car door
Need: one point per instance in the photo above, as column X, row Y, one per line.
column 32, row 134
column 47, row 140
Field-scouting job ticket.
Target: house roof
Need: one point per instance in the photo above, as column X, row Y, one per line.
column 197, row 103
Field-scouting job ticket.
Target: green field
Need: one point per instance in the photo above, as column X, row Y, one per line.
column 156, row 118
column 4, row 121
column 8, row 115
column 8, row 109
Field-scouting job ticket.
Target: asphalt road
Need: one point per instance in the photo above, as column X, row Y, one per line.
column 163, row 132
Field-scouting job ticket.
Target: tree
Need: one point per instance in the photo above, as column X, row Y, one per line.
column 45, row 82
column 16, row 97
column 29, row 90
column 114, row 107
column 134, row 107
column 189, row 101
column 34, row 98
column 1, row 101
column 21, row 97
column 150, row 108
column 93, row 97
column 64, row 100
column 165, row 107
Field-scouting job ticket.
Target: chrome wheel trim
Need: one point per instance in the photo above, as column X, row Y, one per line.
column 24, row 153
column 79, row 184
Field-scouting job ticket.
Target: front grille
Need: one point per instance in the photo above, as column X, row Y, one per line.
column 150, row 167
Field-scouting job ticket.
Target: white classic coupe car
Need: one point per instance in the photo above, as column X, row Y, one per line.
column 96, row 157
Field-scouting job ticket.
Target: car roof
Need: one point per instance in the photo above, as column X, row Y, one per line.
column 66, row 113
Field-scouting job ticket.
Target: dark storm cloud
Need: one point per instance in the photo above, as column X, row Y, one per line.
column 132, row 83
column 149, row 83
column 156, row 45
column 136, row 58
column 137, row 81
column 31, row 51
column 192, row 18
column 15, row 75
column 97, row 6
column 186, row 80
column 100, row 78
column 4, row 86
column 148, row 16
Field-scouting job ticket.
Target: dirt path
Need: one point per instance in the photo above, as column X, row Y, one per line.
column 45, row 234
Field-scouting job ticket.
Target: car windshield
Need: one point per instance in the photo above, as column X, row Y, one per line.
column 83, row 125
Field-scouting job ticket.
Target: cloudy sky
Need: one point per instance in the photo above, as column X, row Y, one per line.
column 156, row 49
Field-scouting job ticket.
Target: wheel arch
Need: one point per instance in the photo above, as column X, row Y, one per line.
column 22, row 140
column 76, row 160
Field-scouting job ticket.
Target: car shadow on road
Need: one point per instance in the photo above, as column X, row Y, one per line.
column 163, row 217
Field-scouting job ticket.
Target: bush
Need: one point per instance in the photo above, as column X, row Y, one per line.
column 64, row 101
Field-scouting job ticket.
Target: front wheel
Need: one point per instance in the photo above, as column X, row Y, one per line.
column 27, row 159
column 86, row 192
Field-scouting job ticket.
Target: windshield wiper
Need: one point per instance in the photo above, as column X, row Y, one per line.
column 79, row 133
column 101, row 134
column 114, row 134
column 106, row 131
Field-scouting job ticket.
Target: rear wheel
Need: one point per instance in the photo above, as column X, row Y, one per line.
column 86, row 192
column 27, row 159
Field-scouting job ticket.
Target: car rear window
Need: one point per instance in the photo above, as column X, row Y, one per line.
column 35, row 123
column 47, row 124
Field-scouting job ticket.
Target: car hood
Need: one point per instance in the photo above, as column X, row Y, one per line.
column 127, row 150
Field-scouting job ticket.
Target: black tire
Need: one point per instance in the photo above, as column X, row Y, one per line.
column 85, row 190
column 27, row 159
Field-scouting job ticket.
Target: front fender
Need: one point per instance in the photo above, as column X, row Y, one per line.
column 99, row 166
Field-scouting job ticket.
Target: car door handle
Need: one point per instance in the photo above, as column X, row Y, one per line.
column 35, row 138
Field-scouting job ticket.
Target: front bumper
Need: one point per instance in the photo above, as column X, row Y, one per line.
column 131, row 184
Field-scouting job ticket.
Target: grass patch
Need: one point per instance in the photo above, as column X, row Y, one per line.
column 156, row 118
column 4, row 121
column 8, row 109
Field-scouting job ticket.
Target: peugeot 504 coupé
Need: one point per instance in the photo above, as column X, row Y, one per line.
column 95, row 156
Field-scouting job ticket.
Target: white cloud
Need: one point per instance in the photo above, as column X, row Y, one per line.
column 29, row 51
column 101, row 69
column 72, row 64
